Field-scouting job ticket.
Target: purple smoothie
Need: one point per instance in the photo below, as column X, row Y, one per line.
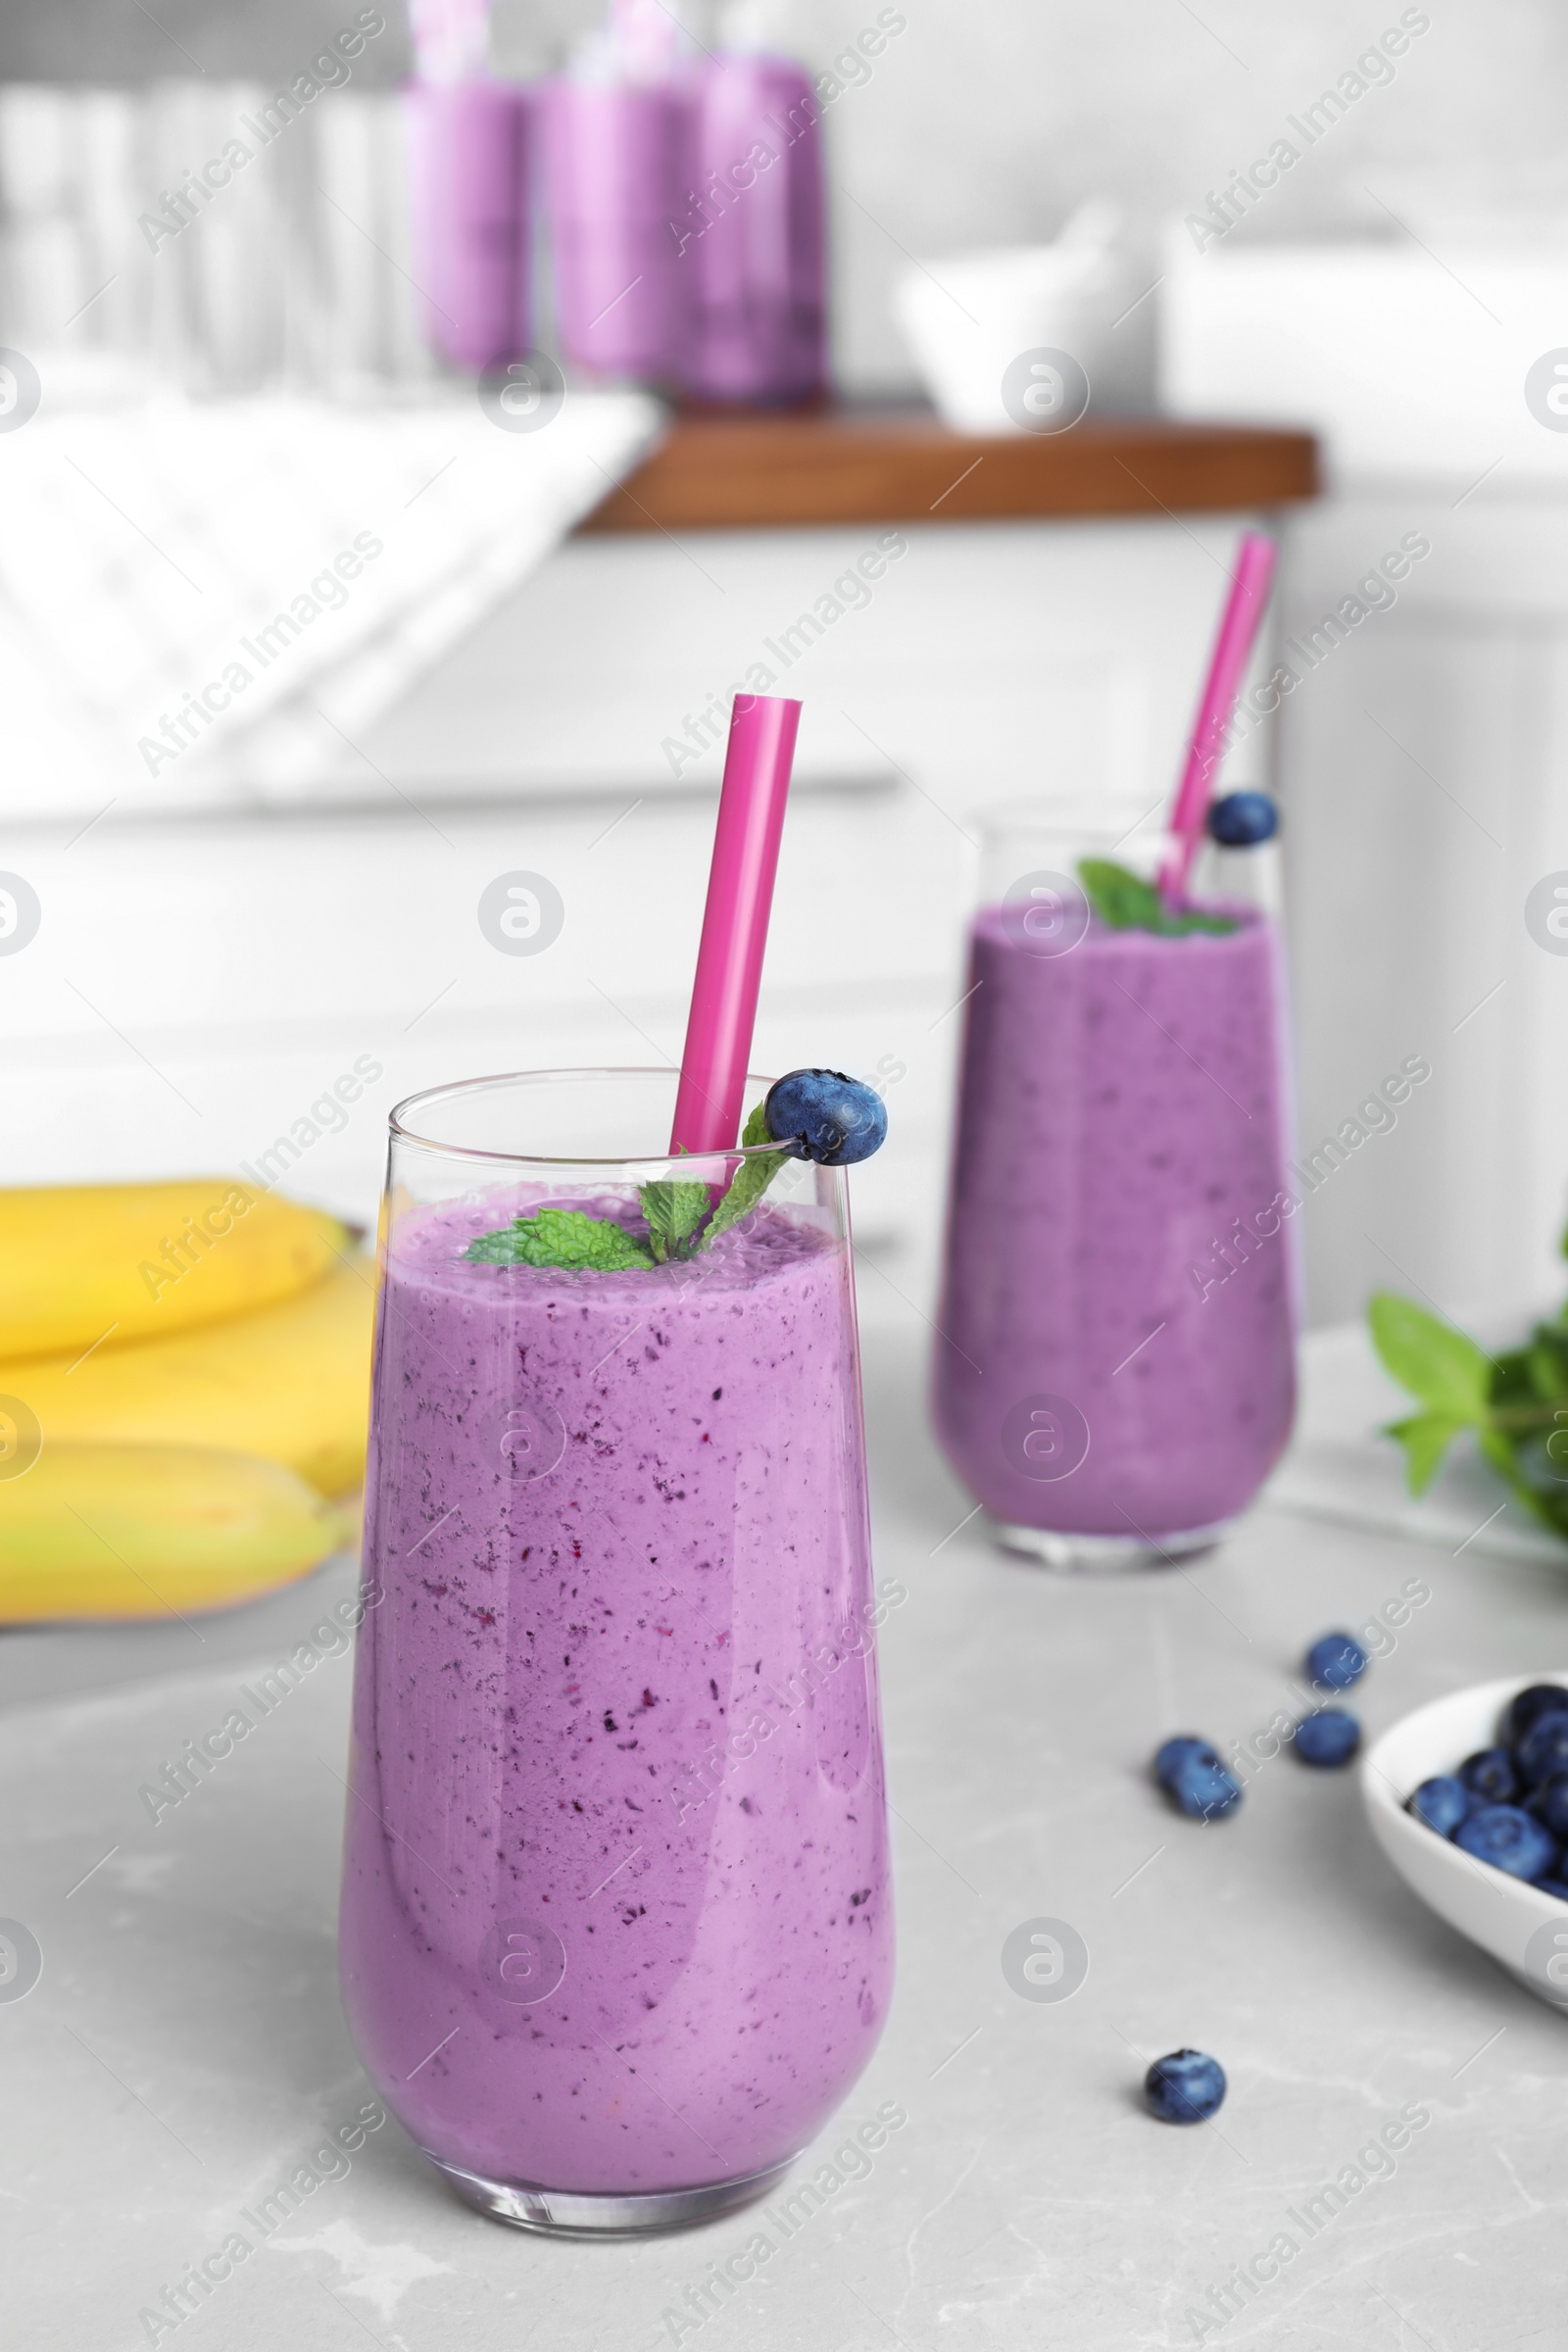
column 617, row 1837
column 1099, row 1372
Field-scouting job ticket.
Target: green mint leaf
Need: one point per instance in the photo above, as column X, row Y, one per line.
column 750, row 1179
column 561, row 1236
column 1426, row 1439
column 674, row 1207
column 1123, row 901
column 1126, row 901
column 1438, row 1364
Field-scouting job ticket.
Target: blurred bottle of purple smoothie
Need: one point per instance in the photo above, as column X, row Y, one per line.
column 1115, row 1374
column 469, row 167
column 616, row 1931
column 619, row 131
column 687, row 213
column 752, row 230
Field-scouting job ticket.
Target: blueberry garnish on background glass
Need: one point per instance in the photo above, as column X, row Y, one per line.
column 1243, row 820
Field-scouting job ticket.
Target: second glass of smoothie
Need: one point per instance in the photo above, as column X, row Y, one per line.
column 1114, row 1374
column 616, row 1934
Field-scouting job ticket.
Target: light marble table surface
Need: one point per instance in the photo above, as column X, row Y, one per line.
column 183, row 2051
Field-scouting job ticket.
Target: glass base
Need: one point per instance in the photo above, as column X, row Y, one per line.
column 591, row 2213
column 1059, row 1548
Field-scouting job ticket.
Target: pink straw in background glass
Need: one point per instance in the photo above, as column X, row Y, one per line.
column 739, row 897
column 1233, row 650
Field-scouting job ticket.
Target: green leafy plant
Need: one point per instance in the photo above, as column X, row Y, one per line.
column 674, row 1207
column 1516, row 1402
column 1126, row 901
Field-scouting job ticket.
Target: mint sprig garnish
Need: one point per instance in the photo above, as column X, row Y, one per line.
column 1126, row 901
column 1515, row 1403
column 561, row 1236
column 750, row 1179
column 673, row 1206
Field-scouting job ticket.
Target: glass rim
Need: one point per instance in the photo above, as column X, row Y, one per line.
column 1069, row 817
column 402, row 1132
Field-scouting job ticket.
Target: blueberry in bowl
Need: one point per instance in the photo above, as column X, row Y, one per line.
column 1549, row 1806
column 1510, row 1839
column 1523, row 1713
column 1441, row 1802
column 1490, row 1776
column 1542, row 1751
column 1502, row 1885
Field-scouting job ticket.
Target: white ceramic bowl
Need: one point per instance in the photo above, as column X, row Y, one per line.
column 1514, row 1921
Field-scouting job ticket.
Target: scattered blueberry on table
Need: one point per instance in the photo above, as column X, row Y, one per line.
column 1507, row 1805
column 825, row 1116
column 1194, row 1780
column 1186, row 2087
column 1489, row 1775
column 1510, row 1839
column 1334, row 1661
column 1328, row 1738
column 1240, row 820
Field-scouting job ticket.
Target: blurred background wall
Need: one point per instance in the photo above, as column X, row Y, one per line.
column 988, row 124
column 1392, row 292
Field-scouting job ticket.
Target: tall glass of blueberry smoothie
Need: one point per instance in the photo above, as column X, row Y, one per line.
column 1114, row 1374
column 616, row 1931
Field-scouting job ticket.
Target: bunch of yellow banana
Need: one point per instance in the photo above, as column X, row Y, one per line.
column 185, row 1377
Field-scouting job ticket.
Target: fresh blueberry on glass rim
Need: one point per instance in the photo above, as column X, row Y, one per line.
column 1187, row 2086
column 1509, row 1840
column 1194, row 1780
column 1242, row 819
column 1326, row 1738
column 825, row 1116
column 811, row 1114
column 1334, row 1661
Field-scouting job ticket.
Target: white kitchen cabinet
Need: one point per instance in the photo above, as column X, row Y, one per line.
column 195, row 986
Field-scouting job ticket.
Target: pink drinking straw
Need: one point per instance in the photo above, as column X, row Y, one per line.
column 739, row 895
column 1233, row 650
